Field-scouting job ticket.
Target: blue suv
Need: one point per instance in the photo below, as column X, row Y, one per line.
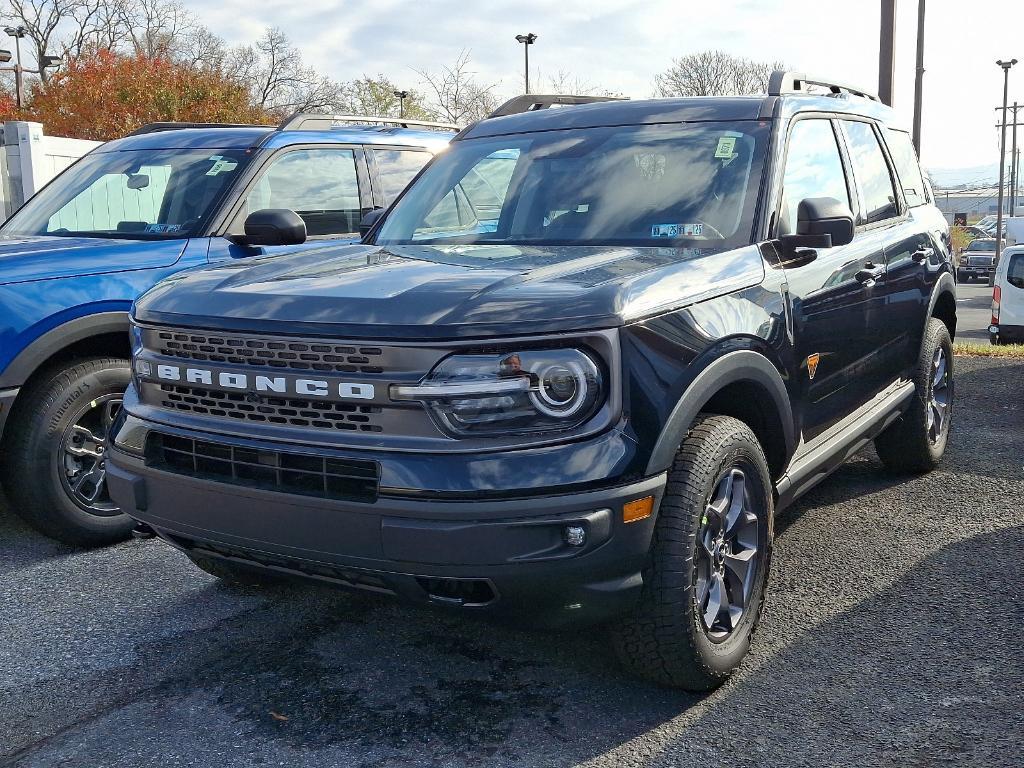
column 169, row 197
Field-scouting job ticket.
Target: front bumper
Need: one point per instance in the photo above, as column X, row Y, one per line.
column 496, row 555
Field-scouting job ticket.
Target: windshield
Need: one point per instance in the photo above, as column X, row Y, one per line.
column 691, row 184
column 153, row 193
column 982, row 245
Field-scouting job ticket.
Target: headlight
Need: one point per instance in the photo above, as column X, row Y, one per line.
column 544, row 390
column 139, row 367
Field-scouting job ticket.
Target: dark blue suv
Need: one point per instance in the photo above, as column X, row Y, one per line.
column 167, row 198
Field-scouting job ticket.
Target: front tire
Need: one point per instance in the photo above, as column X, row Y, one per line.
column 55, row 462
column 704, row 590
column 916, row 442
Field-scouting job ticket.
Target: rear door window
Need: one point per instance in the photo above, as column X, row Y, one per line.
column 907, row 167
column 1015, row 270
column 878, row 196
column 396, row 168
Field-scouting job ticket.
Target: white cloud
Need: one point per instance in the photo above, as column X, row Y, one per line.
column 621, row 44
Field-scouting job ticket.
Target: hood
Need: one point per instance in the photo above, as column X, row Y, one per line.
column 410, row 292
column 23, row 259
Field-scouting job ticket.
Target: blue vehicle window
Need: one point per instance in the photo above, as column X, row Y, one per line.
column 903, row 155
column 814, row 168
column 396, row 168
column 165, row 193
column 694, row 183
column 318, row 184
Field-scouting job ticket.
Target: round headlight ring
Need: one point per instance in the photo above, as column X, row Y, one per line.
column 548, row 405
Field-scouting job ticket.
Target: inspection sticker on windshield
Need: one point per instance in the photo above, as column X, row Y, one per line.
column 726, row 147
column 677, row 230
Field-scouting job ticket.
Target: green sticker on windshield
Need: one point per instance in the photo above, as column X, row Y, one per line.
column 726, row 147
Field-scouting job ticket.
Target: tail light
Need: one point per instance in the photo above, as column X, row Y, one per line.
column 996, row 295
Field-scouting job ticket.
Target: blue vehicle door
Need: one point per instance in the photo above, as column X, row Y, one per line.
column 328, row 186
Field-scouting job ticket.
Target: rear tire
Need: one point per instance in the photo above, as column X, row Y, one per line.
column 55, row 457
column 916, row 442
column 669, row 638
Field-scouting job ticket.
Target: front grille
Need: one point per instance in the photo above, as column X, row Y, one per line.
column 980, row 261
column 270, row 410
column 296, row 473
column 262, row 352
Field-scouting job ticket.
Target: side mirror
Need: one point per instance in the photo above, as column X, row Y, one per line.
column 821, row 222
column 273, row 226
column 370, row 218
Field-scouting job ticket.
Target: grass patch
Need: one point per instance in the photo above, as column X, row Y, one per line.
column 984, row 349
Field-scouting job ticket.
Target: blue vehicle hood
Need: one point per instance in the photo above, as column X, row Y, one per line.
column 24, row 259
column 409, row 292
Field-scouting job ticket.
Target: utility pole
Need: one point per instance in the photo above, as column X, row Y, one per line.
column 1002, row 156
column 1014, row 169
column 886, row 51
column 919, row 78
column 527, row 40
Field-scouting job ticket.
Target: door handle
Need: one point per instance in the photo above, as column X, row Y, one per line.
column 922, row 254
column 870, row 273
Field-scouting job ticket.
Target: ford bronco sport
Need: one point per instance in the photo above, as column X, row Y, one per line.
column 570, row 375
column 133, row 211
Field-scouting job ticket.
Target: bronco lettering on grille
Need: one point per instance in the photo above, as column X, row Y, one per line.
column 230, row 380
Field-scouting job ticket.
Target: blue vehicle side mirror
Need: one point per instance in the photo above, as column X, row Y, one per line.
column 370, row 218
column 272, row 226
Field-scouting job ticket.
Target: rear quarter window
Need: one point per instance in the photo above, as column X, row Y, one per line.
column 1015, row 271
column 907, row 167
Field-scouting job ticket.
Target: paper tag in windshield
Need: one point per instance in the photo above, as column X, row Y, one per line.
column 726, row 147
column 220, row 165
column 677, row 230
column 162, row 229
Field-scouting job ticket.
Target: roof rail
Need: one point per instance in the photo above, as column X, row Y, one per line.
column 532, row 103
column 171, row 126
column 307, row 121
column 782, row 83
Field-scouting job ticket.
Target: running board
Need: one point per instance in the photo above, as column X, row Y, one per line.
column 817, row 463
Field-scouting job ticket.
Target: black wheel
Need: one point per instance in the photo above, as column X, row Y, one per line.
column 56, row 455
column 916, row 442
column 234, row 573
column 710, row 555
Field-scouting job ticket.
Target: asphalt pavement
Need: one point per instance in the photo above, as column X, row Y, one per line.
column 891, row 637
column 973, row 311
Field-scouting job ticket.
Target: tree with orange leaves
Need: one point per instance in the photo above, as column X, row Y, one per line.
column 104, row 95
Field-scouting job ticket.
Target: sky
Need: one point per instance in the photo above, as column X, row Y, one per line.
column 620, row 45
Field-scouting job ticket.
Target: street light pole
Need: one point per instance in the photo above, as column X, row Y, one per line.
column 527, row 40
column 1002, row 155
column 886, row 48
column 1013, row 163
column 17, row 33
column 402, row 96
column 919, row 78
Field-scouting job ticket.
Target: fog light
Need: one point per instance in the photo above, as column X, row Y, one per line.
column 575, row 535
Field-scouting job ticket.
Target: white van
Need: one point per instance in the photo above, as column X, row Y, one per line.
column 1008, row 298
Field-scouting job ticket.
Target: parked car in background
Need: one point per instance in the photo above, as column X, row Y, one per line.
column 978, row 260
column 1008, row 298
column 569, row 376
column 131, row 212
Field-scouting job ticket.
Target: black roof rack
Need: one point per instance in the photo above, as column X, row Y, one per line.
column 782, row 83
column 171, row 126
column 309, row 121
column 532, row 102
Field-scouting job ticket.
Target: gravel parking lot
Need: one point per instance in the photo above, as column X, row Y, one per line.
column 891, row 637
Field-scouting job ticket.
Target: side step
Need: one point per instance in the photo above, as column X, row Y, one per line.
column 820, row 460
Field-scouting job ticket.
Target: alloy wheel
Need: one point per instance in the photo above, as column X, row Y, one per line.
column 727, row 556
column 939, row 396
column 83, row 455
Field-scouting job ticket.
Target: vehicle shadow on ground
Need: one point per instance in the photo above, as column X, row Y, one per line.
column 942, row 689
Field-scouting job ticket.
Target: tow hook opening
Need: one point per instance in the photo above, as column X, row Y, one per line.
column 458, row 592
